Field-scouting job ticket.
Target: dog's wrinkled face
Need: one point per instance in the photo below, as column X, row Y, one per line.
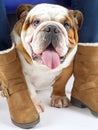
column 49, row 31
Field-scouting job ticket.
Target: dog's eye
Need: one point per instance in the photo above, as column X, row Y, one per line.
column 36, row 22
column 67, row 25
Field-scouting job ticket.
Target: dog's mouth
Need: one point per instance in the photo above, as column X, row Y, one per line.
column 49, row 57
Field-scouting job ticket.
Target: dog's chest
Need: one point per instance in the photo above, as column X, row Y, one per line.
column 40, row 76
column 43, row 77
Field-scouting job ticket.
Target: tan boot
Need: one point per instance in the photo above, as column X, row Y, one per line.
column 85, row 88
column 0, row 85
column 22, row 111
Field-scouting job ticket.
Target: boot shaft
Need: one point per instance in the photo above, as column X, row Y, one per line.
column 22, row 110
column 85, row 87
column 86, row 63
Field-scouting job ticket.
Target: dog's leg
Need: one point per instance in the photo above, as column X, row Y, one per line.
column 36, row 100
column 58, row 98
column 38, row 104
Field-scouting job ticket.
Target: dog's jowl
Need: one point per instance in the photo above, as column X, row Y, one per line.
column 46, row 37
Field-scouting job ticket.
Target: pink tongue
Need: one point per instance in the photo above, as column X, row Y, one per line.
column 50, row 58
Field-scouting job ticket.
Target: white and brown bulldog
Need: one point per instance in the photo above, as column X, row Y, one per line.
column 46, row 38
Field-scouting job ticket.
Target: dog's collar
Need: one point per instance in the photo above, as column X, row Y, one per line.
column 24, row 53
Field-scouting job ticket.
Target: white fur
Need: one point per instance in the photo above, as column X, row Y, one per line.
column 48, row 10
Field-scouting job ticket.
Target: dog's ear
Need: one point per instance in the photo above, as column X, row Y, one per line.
column 23, row 10
column 77, row 17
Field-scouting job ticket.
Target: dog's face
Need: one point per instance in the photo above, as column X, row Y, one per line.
column 48, row 32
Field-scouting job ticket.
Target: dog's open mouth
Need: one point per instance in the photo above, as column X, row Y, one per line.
column 49, row 57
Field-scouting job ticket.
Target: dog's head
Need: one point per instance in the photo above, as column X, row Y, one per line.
column 48, row 32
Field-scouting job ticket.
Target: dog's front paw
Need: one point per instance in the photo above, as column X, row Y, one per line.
column 38, row 104
column 59, row 101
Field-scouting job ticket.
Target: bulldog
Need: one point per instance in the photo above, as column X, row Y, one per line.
column 46, row 38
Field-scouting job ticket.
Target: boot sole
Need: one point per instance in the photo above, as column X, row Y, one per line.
column 28, row 125
column 76, row 102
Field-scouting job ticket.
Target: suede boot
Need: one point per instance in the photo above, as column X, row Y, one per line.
column 85, row 88
column 22, row 110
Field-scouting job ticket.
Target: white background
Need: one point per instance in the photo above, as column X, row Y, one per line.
column 71, row 118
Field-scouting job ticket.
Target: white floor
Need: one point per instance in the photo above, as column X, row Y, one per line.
column 71, row 118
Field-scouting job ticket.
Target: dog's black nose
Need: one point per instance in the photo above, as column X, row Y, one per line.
column 51, row 29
